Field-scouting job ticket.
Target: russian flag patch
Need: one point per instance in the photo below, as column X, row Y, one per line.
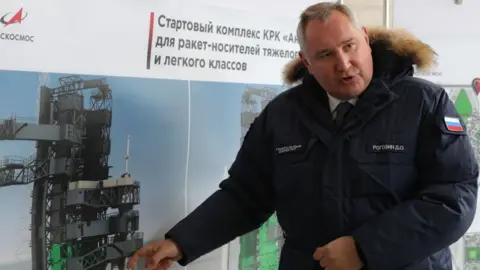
column 453, row 124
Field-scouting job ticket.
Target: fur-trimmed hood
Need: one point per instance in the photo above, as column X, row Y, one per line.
column 393, row 50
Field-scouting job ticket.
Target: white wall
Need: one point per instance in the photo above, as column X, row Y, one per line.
column 452, row 30
column 442, row 18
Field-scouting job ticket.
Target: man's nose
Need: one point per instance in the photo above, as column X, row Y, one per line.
column 343, row 61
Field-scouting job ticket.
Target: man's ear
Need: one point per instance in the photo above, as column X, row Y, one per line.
column 365, row 34
column 304, row 59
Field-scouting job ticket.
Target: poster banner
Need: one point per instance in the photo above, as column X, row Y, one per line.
column 156, row 41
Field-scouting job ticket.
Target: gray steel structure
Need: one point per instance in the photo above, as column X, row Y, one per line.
column 73, row 196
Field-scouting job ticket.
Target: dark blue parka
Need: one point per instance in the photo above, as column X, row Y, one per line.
column 397, row 177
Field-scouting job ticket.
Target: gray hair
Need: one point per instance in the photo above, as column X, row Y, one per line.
column 321, row 12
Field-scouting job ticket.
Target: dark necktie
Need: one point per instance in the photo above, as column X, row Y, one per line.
column 341, row 112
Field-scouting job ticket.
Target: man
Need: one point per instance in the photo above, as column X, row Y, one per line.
column 366, row 166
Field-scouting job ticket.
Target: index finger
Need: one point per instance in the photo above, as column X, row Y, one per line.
column 319, row 253
column 137, row 255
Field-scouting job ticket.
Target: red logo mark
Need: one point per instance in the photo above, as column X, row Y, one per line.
column 7, row 20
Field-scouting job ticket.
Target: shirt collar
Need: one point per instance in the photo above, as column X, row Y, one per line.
column 333, row 102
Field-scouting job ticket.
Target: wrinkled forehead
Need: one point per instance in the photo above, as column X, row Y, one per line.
column 337, row 29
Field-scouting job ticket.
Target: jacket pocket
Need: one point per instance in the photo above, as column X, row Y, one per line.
column 382, row 165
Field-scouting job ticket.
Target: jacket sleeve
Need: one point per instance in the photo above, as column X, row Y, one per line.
column 444, row 208
column 244, row 201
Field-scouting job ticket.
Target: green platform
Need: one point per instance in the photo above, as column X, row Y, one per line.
column 59, row 262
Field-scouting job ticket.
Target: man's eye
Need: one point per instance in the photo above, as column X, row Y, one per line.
column 350, row 46
column 325, row 55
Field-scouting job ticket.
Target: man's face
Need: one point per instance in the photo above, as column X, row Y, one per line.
column 338, row 55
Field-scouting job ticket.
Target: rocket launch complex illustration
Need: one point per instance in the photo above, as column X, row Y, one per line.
column 81, row 217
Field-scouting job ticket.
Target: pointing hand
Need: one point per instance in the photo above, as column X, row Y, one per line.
column 159, row 255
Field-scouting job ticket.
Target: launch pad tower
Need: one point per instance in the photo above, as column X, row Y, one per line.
column 81, row 217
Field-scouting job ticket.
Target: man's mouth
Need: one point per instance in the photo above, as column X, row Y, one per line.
column 347, row 79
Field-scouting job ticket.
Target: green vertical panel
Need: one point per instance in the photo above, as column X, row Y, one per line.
column 463, row 105
column 472, row 254
column 260, row 246
column 263, row 245
column 268, row 245
column 55, row 257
